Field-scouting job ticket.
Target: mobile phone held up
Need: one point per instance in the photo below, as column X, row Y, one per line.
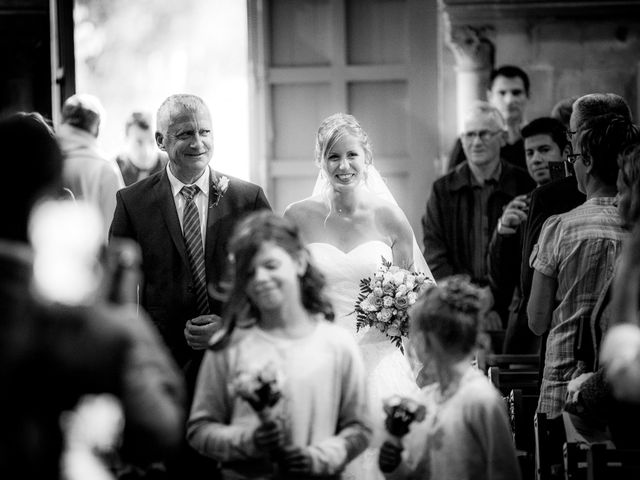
column 559, row 170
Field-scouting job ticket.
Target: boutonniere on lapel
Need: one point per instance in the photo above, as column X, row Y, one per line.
column 220, row 186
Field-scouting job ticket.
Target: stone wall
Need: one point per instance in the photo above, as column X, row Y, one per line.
column 567, row 48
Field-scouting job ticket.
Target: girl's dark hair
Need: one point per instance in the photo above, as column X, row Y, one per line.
column 452, row 311
column 601, row 140
column 249, row 235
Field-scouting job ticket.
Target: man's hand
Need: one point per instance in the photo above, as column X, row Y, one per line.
column 575, row 385
column 198, row 330
column 390, row 457
column 269, row 437
column 513, row 215
column 296, row 461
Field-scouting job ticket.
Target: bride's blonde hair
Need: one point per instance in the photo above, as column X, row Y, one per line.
column 333, row 128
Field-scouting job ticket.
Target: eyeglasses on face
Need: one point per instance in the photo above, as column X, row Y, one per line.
column 483, row 135
column 573, row 157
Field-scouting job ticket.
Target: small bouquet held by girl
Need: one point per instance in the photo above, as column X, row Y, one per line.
column 261, row 388
column 384, row 299
column 401, row 413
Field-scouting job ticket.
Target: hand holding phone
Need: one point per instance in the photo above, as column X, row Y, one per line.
column 514, row 214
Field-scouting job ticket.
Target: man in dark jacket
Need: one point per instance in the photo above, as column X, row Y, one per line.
column 509, row 92
column 546, row 148
column 465, row 204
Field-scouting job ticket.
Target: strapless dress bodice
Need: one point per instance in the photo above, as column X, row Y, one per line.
column 343, row 272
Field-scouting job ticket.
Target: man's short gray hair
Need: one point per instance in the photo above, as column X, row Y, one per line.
column 480, row 107
column 596, row 104
column 177, row 101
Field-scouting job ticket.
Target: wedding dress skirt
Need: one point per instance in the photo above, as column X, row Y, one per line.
column 388, row 370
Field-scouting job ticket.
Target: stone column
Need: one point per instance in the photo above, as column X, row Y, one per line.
column 474, row 55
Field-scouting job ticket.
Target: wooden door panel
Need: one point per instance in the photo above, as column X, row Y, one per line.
column 377, row 32
column 371, row 58
column 300, row 32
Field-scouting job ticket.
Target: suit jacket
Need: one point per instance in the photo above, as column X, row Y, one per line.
column 448, row 221
column 146, row 213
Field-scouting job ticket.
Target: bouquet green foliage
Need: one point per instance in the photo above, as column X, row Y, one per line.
column 384, row 300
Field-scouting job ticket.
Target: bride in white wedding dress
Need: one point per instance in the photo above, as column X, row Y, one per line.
column 349, row 224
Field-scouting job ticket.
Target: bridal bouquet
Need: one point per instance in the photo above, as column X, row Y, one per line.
column 384, row 299
column 261, row 388
column 401, row 412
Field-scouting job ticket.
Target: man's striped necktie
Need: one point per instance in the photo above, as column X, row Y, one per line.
column 195, row 252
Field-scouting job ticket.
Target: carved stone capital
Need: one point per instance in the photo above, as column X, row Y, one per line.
column 470, row 45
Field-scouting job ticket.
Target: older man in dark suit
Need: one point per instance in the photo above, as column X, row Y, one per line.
column 184, row 248
column 182, row 218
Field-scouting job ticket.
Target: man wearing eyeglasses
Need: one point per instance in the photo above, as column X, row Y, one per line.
column 465, row 204
column 509, row 93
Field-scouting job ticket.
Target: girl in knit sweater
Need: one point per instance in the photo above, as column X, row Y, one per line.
column 277, row 319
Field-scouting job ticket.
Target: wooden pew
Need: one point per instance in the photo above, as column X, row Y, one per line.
column 486, row 360
column 608, row 463
column 507, row 380
column 549, row 438
column 580, row 435
column 522, row 409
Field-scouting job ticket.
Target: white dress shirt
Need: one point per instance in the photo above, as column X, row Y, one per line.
column 201, row 199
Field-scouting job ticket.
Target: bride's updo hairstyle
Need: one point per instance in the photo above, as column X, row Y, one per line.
column 249, row 235
column 332, row 129
column 451, row 311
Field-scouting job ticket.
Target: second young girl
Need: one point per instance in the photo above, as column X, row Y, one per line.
column 466, row 432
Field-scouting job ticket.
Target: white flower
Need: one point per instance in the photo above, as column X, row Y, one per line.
column 398, row 277
column 410, row 282
column 412, row 297
column 402, row 290
column 385, row 314
column 368, row 306
column 221, row 185
column 387, row 301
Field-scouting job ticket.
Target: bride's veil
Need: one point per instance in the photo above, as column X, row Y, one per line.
column 376, row 185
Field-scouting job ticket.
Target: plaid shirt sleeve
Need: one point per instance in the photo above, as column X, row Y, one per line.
column 546, row 252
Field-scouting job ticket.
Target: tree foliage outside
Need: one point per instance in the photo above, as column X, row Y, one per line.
column 132, row 54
